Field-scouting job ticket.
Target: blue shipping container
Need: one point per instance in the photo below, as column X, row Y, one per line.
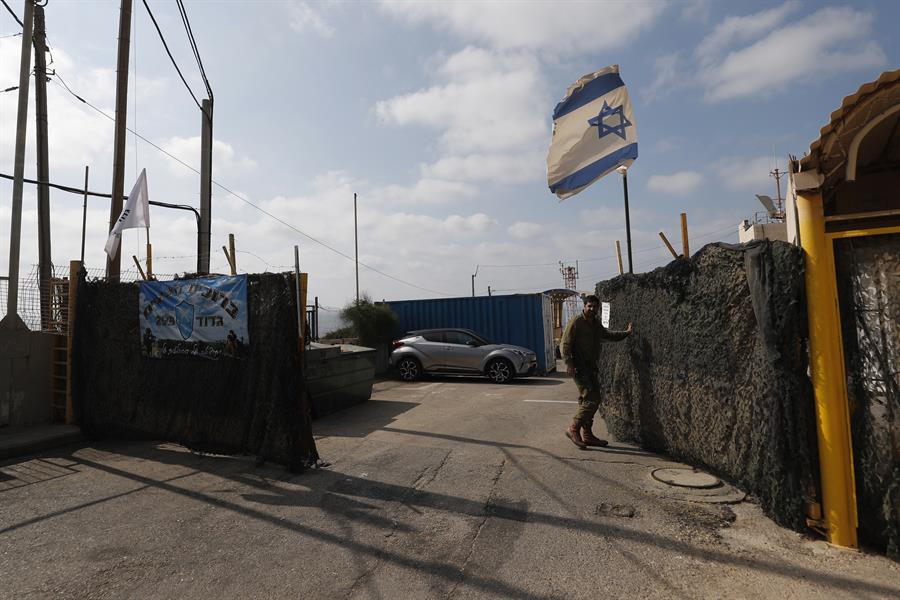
column 521, row 319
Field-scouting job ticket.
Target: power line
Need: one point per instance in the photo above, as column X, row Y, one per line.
column 607, row 274
column 14, row 15
column 74, row 190
column 259, row 208
column 172, row 58
column 193, row 41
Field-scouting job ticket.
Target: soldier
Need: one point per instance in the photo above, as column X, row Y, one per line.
column 581, row 352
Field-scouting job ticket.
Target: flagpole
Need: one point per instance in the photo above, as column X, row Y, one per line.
column 624, row 171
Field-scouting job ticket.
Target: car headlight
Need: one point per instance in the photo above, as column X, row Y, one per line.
column 519, row 352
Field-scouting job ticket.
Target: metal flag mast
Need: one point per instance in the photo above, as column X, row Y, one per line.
column 624, row 171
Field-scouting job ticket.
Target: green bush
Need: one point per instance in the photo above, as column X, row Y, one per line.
column 371, row 323
column 346, row 331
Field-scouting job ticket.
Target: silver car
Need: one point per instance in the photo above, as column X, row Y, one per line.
column 459, row 351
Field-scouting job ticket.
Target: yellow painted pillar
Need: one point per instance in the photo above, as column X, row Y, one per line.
column 827, row 371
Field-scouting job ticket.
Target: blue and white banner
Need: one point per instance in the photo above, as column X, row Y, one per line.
column 593, row 133
column 196, row 317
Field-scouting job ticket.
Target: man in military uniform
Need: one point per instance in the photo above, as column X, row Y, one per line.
column 581, row 353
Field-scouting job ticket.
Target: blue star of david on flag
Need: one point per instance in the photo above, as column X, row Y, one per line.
column 577, row 156
column 604, row 129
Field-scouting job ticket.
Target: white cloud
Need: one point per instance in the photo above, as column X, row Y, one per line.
column 488, row 102
column 670, row 75
column 679, row 184
column 696, row 10
column 828, row 42
column 542, row 26
column 523, row 230
column 734, row 30
column 749, row 174
column 607, row 217
column 427, row 190
column 225, row 159
column 304, row 17
column 498, row 168
column 68, row 118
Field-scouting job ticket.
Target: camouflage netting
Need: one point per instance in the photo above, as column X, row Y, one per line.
column 868, row 272
column 716, row 372
column 251, row 405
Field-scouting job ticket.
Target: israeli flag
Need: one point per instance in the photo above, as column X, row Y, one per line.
column 593, row 133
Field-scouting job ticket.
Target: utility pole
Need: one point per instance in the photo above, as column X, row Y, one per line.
column 12, row 319
column 45, row 266
column 779, row 203
column 113, row 263
column 356, row 247
column 570, row 282
column 206, row 140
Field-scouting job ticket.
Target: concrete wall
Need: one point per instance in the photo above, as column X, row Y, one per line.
column 25, row 377
column 762, row 231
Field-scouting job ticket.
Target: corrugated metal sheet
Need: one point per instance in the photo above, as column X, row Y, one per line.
column 828, row 153
column 520, row 319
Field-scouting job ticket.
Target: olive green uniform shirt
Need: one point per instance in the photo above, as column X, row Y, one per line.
column 581, row 342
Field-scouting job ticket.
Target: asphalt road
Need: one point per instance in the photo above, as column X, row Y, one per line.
column 446, row 488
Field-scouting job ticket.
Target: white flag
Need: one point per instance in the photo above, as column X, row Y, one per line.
column 135, row 214
column 593, row 133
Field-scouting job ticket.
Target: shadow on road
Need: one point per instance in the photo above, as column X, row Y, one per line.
column 355, row 498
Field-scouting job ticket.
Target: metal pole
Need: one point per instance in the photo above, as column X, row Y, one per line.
column 45, row 265
column 15, row 236
column 84, row 212
column 113, row 264
column 829, row 382
column 627, row 218
column 297, row 287
column 356, row 246
column 315, row 331
column 206, row 140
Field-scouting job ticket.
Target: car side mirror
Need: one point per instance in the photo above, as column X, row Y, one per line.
column 472, row 343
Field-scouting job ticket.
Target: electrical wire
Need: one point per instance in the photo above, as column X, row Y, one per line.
column 193, row 41
column 172, row 58
column 74, row 190
column 257, row 207
column 606, row 275
column 14, row 15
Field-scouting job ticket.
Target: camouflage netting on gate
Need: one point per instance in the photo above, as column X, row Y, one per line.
column 716, row 372
column 868, row 274
column 246, row 405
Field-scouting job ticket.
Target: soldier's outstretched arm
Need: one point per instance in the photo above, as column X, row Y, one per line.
column 614, row 335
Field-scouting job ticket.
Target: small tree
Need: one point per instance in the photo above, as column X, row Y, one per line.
column 371, row 323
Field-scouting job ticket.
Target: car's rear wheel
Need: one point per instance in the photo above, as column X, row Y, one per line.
column 409, row 369
column 500, row 370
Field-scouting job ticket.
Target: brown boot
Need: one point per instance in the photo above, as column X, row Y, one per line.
column 575, row 437
column 589, row 439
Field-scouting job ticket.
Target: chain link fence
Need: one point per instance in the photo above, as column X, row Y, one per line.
column 55, row 296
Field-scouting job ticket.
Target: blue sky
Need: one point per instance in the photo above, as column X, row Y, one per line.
column 437, row 114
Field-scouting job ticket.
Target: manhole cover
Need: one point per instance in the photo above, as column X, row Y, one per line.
column 687, row 478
